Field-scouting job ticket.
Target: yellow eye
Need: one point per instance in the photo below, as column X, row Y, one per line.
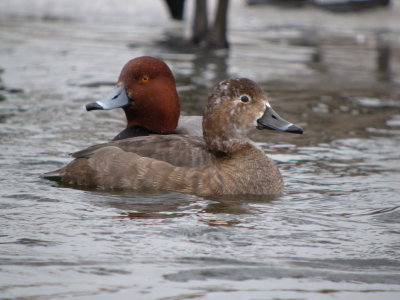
column 144, row 78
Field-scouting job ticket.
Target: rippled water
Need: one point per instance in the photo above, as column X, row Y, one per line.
column 334, row 234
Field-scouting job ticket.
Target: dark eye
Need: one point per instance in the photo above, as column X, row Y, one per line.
column 245, row 98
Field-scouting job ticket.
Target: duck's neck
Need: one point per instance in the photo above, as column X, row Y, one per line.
column 226, row 138
column 157, row 121
column 227, row 147
column 132, row 131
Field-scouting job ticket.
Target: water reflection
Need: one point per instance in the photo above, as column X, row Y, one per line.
column 384, row 57
column 162, row 206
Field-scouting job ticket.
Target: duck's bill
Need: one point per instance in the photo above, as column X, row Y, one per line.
column 118, row 98
column 271, row 120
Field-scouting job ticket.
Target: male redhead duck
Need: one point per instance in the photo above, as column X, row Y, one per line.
column 225, row 162
column 146, row 91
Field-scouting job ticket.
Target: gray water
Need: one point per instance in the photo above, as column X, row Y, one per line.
column 334, row 234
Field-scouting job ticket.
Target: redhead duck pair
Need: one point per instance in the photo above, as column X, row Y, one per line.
column 223, row 162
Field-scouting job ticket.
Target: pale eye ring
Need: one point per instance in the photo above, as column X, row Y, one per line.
column 244, row 98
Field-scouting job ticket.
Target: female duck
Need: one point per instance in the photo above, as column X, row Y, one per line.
column 146, row 91
column 230, row 163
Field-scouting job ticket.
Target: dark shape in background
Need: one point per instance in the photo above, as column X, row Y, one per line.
column 203, row 34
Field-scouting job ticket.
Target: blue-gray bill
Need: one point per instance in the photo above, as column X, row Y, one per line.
column 116, row 99
column 271, row 120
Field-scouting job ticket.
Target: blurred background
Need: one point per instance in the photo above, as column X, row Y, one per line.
column 332, row 67
column 327, row 51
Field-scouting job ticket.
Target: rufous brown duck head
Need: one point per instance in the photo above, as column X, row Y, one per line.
column 146, row 91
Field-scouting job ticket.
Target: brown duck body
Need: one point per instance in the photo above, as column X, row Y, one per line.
column 112, row 167
column 178, row 150
column 225, row 162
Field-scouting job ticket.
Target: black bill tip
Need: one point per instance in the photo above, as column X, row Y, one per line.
column 93, row 106
column 295, row 129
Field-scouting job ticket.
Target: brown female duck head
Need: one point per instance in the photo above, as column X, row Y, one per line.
column 235, row 107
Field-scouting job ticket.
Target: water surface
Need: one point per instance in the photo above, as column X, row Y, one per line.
column 334, row 234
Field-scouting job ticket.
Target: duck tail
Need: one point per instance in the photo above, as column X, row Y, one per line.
column 53, row 175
